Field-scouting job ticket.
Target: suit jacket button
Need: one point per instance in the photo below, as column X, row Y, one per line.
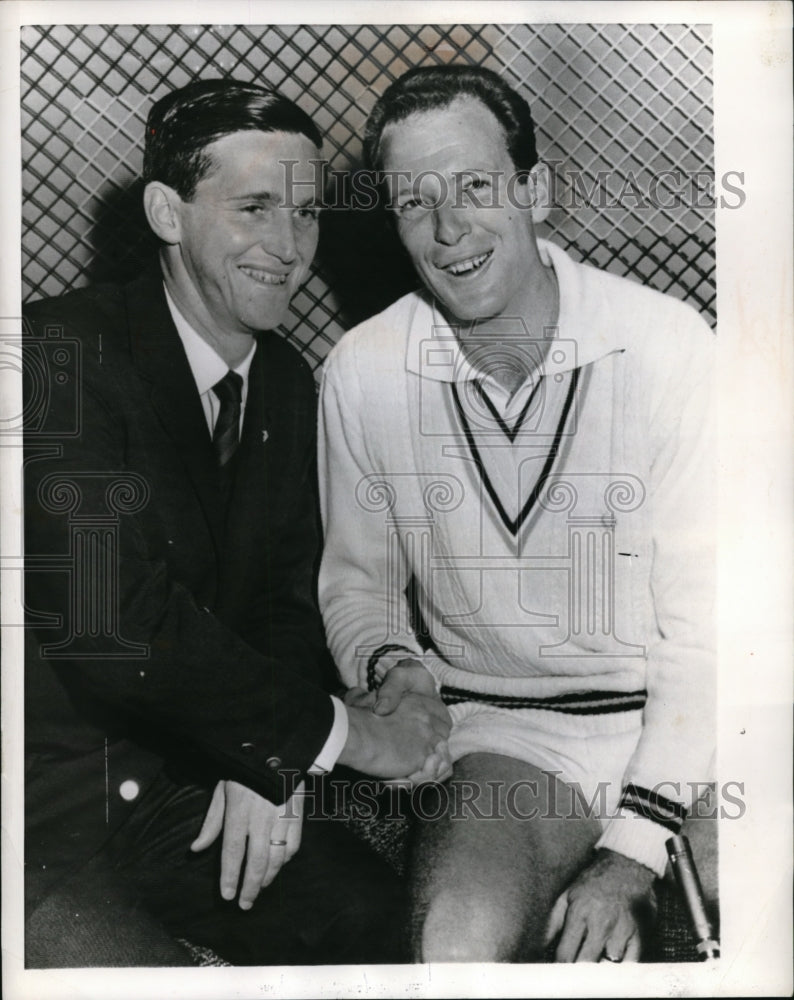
column 273, row 763
column 129, row 790
column 247, row 747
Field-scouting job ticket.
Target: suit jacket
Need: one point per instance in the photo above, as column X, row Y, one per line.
column 160, row 626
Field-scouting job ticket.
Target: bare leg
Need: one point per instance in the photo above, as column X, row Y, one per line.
column 488, row 870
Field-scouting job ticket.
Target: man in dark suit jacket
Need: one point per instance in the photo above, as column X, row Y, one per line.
column 171, row 540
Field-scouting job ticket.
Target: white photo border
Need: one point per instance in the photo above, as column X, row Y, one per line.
column 753, row 121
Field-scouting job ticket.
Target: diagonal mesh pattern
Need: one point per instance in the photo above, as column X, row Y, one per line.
column 624, row 115
column 615, row 105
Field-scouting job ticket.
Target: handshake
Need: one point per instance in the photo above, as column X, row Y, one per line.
column 400, row 731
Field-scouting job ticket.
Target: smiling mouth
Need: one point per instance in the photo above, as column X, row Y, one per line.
column 264, row 277
column 468, row 266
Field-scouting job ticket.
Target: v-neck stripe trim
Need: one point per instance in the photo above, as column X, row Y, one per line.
column 514, row 525
column 510, row 433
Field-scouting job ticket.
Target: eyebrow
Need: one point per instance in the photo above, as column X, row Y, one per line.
column 253, row 196
column 309, row 200
column 268, row 196
column 410, row 183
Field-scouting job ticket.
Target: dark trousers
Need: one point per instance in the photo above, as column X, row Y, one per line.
column 335, row 902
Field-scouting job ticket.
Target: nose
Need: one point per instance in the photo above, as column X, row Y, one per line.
column 280, row 238
column 450, row 224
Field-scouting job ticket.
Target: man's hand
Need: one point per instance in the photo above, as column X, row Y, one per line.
column 267, row 836
column 359, row 697
column 601, row 914
column 437, row 767
column 409, row 675
column 406, row 675
column 397, row 744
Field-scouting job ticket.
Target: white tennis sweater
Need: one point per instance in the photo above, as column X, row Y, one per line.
column 563, row 561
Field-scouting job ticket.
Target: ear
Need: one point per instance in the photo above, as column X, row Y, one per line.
column 163, row 208
column 541, row 186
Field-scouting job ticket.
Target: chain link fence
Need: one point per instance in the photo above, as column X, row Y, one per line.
column 623, row 113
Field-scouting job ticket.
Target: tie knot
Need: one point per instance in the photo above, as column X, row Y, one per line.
column 230, row 388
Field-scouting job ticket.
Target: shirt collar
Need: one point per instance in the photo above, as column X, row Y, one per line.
column 584, row 329
column 207, row 366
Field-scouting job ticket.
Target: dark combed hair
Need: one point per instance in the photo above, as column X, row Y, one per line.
column 428, row 88
column 181, row 126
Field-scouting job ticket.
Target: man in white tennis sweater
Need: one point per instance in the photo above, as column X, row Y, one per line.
column 529, row 442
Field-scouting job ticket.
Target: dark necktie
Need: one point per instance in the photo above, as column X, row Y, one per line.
column 226, row 435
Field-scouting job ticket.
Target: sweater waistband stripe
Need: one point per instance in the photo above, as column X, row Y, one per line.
column 577, row 703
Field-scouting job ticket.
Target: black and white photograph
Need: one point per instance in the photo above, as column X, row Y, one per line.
column 397, row 524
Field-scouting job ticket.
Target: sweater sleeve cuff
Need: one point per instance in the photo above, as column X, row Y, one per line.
column 638, row 838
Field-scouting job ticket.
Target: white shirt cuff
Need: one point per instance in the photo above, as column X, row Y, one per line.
column 326, row 759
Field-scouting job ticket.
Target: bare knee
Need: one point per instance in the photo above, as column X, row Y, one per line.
column 465, row 928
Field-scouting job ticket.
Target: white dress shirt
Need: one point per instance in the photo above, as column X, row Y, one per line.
column 208, row 368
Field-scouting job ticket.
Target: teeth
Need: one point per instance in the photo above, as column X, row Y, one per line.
column 463, row 266
column 264, row 277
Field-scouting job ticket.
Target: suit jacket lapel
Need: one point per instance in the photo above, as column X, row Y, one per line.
column 161, row 361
